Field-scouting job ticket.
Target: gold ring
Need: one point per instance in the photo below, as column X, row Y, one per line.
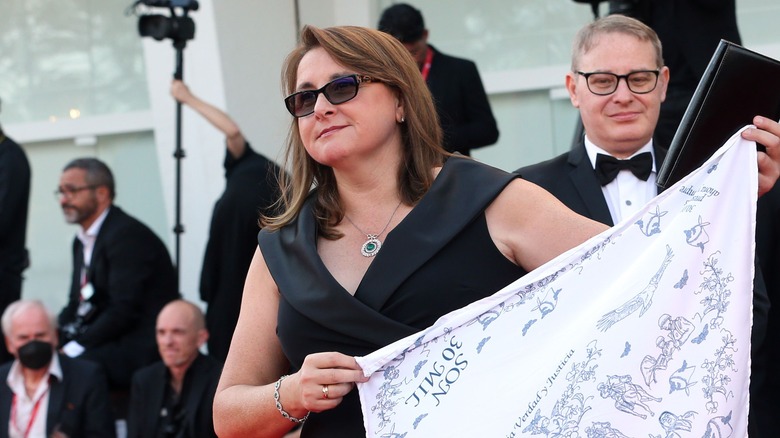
column 325, row 392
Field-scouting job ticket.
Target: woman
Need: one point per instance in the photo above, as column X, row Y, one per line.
column 394, row 234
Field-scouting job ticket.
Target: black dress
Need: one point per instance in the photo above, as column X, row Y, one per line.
column 438, row 259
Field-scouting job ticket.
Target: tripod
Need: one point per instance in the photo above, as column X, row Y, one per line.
column 178, row 155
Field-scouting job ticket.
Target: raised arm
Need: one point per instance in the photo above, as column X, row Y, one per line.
column 531, row 227
column 234, row 140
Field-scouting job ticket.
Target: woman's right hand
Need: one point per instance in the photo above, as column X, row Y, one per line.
column 324, row 379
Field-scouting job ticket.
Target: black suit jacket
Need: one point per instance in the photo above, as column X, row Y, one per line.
column 14, row 200
column 461, row 103
column 570, row 178
column 14, row 203
column 133, row 278
column 148, row 391
column 78, row 405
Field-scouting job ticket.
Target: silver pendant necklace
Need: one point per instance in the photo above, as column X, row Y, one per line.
column 372, row 245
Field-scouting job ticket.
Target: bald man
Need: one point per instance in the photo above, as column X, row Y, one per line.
column 173, row 397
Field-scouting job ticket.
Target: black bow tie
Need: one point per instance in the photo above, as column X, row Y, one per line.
column 607, row 166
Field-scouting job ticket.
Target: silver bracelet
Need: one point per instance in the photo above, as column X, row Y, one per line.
column 279, row 404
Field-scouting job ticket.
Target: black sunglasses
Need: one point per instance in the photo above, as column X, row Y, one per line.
column 337, row 91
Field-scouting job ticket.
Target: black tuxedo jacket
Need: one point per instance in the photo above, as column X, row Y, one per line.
column 148, row 391
column 133, row 278
column 461, row 103
column 570, row 178
column 78, row 405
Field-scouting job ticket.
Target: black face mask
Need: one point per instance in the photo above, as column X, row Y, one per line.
column 35, row 354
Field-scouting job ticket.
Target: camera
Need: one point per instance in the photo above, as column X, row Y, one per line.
column 178, row 28
column 160, row 27
column 629, row 8
column 185, row 4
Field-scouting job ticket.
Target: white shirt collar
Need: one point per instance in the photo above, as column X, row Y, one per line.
column 592, row 149
column 15, row 379
column 88, row 236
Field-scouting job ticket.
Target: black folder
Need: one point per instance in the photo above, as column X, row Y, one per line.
column 737, row 85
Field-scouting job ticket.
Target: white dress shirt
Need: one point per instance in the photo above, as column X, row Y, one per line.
column 87, row 238
column 23, row 409
column 626, row 194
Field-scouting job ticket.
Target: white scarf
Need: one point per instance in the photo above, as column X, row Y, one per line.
column 644, row 330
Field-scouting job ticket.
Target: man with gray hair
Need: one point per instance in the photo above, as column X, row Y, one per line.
column 48, row 394
column 122, row 277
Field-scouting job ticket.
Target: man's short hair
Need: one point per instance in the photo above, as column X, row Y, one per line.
column 402, row 21
column 97, row 173
column 21, row 306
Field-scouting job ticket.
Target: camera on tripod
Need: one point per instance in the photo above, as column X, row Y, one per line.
column 624, row 7
column 179, row 28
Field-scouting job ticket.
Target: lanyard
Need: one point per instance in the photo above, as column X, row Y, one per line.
column 427, row 66
column 32, row 416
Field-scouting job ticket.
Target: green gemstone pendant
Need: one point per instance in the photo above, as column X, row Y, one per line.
column 371, row 246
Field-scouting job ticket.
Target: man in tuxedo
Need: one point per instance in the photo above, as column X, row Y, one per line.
column 44, row 393
column 618, row 81
column 461, row 103
column 122, row 277
column 173, row 397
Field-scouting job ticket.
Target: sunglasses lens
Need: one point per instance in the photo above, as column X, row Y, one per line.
column 301, row 104
column 337, row 91
column 341, row 90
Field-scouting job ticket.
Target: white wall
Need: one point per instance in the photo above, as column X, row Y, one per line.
column 234, row 62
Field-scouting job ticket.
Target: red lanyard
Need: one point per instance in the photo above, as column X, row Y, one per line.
column 32, row 416
column 427, row 66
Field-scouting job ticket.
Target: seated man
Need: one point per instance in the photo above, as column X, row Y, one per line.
column 70, row 395
column 174, row 397
column 122, row 277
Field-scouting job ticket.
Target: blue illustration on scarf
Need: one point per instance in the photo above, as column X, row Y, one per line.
column 671, row 423
column 678, row 330
column 603, row 429
column 683, row 281
column 717, row 379
column 640, row 301
column 703, row 335
column 715, row 286
column 680, row 380
column 651, row 225
column 697, row 235
column 628, row 396
column 566, row 414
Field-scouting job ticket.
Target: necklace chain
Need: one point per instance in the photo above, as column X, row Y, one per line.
column 372, row 244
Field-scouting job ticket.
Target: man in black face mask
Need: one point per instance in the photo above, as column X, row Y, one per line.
column 47, row 394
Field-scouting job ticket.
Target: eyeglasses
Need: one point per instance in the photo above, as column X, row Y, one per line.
column 69, row 191
column 639, row 82
column 337, row 91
